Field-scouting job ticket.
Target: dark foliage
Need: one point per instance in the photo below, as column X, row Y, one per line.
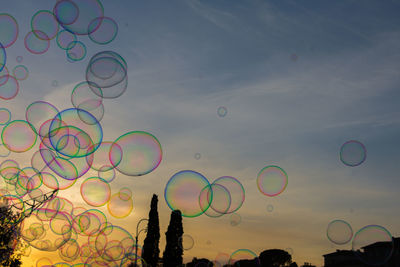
column 275, row 258
column 151, row 250
column 10, row 233
column 200, row 263
column 173, row 252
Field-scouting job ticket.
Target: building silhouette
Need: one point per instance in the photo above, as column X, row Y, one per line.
column 379, row 254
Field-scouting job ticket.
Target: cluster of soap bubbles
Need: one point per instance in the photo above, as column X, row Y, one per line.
column 372, row 244
column 193, row 194
column 67, row 145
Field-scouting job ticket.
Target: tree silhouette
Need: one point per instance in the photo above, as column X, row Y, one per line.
column 151, row 251
column 173, row 252
column 199, row 263
column 275, row 258
column 10, row 233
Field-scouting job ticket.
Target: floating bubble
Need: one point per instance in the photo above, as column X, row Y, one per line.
column 54, row 83
column 373, row 245
column 18, row 136
column 82, row 97
column 183, row 190
column 113, row 243
column 4, row 152
column 353, row 153
column 222, row 111
column 235, row 219
column 197, row 156
column 35, row 45
column 289, row 250
column 107, row 173
column 339, row 232
column 65, row 39
column 4, row 74
column 270, row 208
column 222, row 259
column 76, row 16
column 119, row 207
column 235, row 189
column 106, row 154
column 95, row 191
column 141, row 153
column 215, row 200
column 8, row 30
column 10, row 88
column 78, row 137
column 38, row 113
column 44, row 262
column 187, row 241
column 69, row 251
column 76, row 51
column 272, row 180
column 3, row 57
column 242, row 254
column 102, row 30
column 44, row 25
column 20, row 72
column 125, row 193
column 19, row 59
column 107, row 70
column 5, row 116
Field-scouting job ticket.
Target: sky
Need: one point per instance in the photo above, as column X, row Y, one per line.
column 298, row 79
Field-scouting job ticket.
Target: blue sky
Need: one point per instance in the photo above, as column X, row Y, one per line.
column 187, row 58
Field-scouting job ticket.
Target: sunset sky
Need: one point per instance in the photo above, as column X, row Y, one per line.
column 298, row 79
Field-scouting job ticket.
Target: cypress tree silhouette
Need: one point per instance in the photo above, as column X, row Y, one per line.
column 275, row 258
column 173, row 252
column 10, row 233
column 151, row 250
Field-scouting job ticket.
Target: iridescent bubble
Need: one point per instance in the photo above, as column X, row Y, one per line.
column 141, row 153
column 215, row 200
column 4, row 75
column 235, row 219
column 197, row 156
column 102, row 30
column 187, row 241
column 106, row 154
column 119, row 207
column 44, row 25
column 54, row 83
column 18, row 136
column 242, row 254
column 76, row 16
column 8, row 30
column 125, row 193
column 293, row 57
column 5, row 116
column 38, row 113
column 76, row 51
column 19, row 59
column 4, row 152
column 221, row 259
column 82, row 97
column 44, row 262
column 339, row 232
column 113, row 243
column 65, row 38
column 373, row 245
column 272, row 180
column 95, row 191
column 10, row 88
column 3, row 57
column 107, row 70
column 20, row 72
column 353, row 153
column 35, row 45
column 235, row 189
column 77, row 139
column 107, row 173
column 183, row 190
column 222, row 111
column 270, row 208
column 69, row 251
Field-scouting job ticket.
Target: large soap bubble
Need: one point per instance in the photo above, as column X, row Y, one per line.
column 272, row 180
column 183, row 191
column 339, row 232
column 141, row 153
column 353, row 153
